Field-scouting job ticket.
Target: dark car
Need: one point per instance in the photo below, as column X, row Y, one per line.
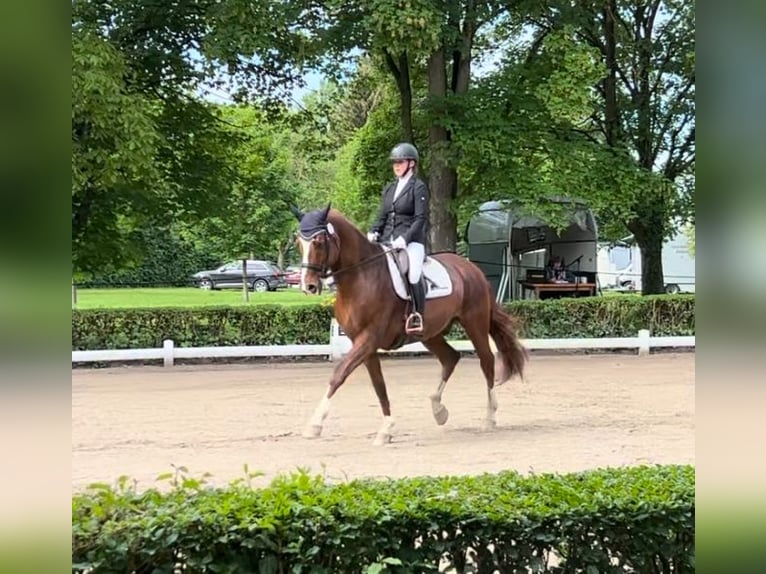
column 261, row 276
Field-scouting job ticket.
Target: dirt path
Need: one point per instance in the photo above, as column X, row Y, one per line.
column 572, row 413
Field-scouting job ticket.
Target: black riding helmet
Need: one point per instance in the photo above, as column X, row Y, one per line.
column 404, row 151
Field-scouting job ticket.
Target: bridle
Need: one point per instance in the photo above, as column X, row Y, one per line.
column 324, row 269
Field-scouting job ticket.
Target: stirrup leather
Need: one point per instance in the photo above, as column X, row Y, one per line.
column 414, row 323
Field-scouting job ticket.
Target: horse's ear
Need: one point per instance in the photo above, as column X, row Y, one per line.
column 326, row 211
column 296, row 212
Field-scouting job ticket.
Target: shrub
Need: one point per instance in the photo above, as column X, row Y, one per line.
column 617, row 316
column 637, row 519
column 275, row 324
column 202, row 326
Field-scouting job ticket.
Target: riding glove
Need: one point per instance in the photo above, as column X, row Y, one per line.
column 372, row 236
column 399, row 243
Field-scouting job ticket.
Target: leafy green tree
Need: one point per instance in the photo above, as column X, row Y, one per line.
column 146, row 147
column 114, row 143
column 255, row 215
column 645, row 110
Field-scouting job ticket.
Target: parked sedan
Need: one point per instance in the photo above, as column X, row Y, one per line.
column 293, row 276
column 261, row 276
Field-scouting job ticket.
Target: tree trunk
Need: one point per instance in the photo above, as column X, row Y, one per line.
column 611, row 117
column 650, row 241
column 405, row 90
column 442, row 181
column 245, row 290
column 401, row 72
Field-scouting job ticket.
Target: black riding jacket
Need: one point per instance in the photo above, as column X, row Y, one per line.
column 407, row 216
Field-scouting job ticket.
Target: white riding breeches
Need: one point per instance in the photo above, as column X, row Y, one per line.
column 416, row 252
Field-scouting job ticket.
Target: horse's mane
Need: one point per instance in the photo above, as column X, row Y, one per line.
column 352, row 239
column 344, row 227
column 339, row 220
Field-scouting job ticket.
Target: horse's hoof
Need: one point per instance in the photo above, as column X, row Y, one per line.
column 441, row 414
column 312, row 431
column 381, row 439
column 489, row 425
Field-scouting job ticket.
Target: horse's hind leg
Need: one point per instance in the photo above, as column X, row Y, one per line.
column 448, row 357
column 379, row 384
column 479, row 336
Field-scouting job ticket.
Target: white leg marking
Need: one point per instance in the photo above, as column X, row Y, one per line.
column 384, row 434
column 314, row 428
column 491, row 421
column 440, row 412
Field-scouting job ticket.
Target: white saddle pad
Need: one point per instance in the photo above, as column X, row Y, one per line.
column 438, row 283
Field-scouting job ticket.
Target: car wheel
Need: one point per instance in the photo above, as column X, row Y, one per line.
column 672, row 289
column 260, row 286
column 206, row 284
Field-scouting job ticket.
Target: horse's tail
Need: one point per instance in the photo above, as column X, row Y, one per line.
column 502, row 328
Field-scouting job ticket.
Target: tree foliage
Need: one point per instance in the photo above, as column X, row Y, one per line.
column 524, row 100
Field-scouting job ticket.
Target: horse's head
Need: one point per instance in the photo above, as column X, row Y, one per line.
column 319, row 248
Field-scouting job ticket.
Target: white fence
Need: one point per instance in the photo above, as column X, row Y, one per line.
column 340, row 345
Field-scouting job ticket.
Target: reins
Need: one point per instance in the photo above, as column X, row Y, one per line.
column 326, row 273
column 357, row 264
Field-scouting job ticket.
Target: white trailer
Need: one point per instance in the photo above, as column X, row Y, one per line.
column 678, row 266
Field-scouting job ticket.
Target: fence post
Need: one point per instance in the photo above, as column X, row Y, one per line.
column 339, row 343
column 167, row 352
column 643, row 342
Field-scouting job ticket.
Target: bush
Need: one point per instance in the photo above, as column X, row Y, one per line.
column 613, row 316
column 609, row 520
column 274, row 324
column 168, row 260
column 199, row 327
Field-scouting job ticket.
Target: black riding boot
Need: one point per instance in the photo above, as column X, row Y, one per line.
column 414, row 324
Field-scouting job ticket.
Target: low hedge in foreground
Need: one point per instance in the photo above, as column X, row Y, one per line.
column 615, row 316
column 637, row 519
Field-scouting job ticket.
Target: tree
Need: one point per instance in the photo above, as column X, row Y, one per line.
column 114, row 143
column 254, row 213
column 432, row 43
column 645, row 109
column 138, row 155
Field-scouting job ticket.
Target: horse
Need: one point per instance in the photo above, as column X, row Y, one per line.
column 371, row 313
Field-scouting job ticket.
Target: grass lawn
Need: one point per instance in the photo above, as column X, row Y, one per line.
column 186, row 297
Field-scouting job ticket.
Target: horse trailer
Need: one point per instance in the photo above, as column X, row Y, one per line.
column 508, row 242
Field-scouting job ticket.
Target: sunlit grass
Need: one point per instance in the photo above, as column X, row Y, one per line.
column 186, row 297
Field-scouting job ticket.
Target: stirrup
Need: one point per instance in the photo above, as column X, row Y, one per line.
column 414, row 323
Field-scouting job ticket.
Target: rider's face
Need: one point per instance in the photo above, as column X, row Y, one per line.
column 400, row 167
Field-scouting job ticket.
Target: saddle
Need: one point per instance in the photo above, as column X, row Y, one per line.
column 435, row 277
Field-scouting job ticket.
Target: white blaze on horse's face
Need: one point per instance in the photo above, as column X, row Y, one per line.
column 305, row 251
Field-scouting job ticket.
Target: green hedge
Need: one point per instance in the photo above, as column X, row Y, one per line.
column 611, row 316
column 637, row 519
column 617, row 316
column 200, row 326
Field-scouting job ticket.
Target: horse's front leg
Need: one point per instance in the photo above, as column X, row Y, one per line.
column 358, row 353
column 379, row 384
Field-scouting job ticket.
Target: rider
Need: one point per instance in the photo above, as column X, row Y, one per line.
column 403, row 221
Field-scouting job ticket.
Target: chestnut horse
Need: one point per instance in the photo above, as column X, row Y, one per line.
column 372, row 315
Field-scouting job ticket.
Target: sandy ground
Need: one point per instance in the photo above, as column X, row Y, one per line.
column 571, row 413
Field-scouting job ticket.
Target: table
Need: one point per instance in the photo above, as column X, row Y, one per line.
column 574, row 289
